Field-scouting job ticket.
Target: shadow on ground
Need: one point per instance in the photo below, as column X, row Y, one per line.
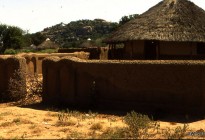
column 156, row 115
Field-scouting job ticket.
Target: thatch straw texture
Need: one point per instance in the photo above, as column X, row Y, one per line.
column 48, row 44
column 169, row 20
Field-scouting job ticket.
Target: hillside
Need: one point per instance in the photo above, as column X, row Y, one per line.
column 76, row 32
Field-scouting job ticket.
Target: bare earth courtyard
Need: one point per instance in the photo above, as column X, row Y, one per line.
column 37, row 123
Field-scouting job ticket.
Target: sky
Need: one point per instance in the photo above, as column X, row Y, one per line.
column 35, row 15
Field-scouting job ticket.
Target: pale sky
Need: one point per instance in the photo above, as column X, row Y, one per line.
column 35, row 15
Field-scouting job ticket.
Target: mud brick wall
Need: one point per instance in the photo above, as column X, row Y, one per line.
column 8, row 65
column 94, row 51
column 169, row 85
column 34, row 61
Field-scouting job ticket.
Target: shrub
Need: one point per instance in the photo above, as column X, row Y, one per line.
column 24, row 91
column 138, row 124
column 96, row 126
column 75, row 135
column 115, row 133
column 64, row 119
column 49, row 51
column 34, row 85
column 179, row 132
column 16, row 87
column 10, row 51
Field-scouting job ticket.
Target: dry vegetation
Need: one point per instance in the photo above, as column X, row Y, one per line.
column 26, row 123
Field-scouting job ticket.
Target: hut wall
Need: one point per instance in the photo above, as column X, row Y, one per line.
column 134, row 49
column 177, row 50
column 152, row 85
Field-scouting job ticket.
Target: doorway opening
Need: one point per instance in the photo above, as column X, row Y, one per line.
column 150, row 50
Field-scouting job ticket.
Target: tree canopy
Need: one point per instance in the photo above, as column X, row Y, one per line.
column 11, row 37
column 125, row 19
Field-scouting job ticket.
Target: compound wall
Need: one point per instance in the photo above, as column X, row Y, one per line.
column 8, row 66
column 94, row 51
column 34, row 60
column 142, row 85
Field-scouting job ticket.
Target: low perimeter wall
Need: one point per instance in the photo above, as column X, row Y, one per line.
column 34, row 60
column 8, row 65
column 141, row 85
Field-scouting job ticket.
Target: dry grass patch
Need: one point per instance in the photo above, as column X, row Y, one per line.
column 64, row 130
column 3, row 114
column 88, row 125
column 19, row 121
column 96, row 126
column 6, row 124
column 69, row 122
column 37, row 131
column 115, row 133
column 32, row 126
column 47, row 119
column 76, row 135
column 51, row 114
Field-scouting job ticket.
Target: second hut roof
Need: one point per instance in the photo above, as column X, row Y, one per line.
column 169, row 20
column 48, row 44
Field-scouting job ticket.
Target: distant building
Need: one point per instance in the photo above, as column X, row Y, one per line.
column 48, row 44
column 172, row 29
column 33, row 47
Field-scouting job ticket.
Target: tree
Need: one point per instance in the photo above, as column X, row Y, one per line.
column 37, row 38
column 11, row 37
column 125, row 19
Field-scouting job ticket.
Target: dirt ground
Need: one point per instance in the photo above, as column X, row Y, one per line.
column 36, row 122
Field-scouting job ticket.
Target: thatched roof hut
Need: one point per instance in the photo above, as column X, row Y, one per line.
column 169, row 20
column 47, row 44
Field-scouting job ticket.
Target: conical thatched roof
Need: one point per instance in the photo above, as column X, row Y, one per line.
column 48, row 44
column 169, row 20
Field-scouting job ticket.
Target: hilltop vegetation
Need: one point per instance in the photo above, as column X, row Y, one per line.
column 75, row 33
column 80, row 33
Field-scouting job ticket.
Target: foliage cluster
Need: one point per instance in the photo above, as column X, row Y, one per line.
column 12, row 37
column 142, row 127
column 126, row 19
column 77, row 32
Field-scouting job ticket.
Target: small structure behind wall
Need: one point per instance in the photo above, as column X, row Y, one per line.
column 116, row 51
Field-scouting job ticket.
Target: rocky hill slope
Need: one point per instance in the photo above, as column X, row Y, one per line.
column 76, row 32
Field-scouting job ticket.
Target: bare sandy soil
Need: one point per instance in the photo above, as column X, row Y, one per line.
column 44, row 123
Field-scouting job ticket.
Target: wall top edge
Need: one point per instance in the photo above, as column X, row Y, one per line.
column 154, row 62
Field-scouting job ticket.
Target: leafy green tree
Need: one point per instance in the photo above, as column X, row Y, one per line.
column 37, row 38
column 126, row 19
column 11, row 37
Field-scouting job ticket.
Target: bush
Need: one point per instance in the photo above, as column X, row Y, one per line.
column 26, row 51
column 138, row 124
column 115, row 133
column 10, row 51
column 34, row 85
column 24, row 91
column 96, row 126
column 178, row 133
column 49, row 51
column 16, row 87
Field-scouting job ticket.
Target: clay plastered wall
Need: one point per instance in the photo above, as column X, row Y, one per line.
column 135, row 47
column 152, row 85
column 8, row 65
column 177, row 48
column 34, row 61
column 93, row 51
